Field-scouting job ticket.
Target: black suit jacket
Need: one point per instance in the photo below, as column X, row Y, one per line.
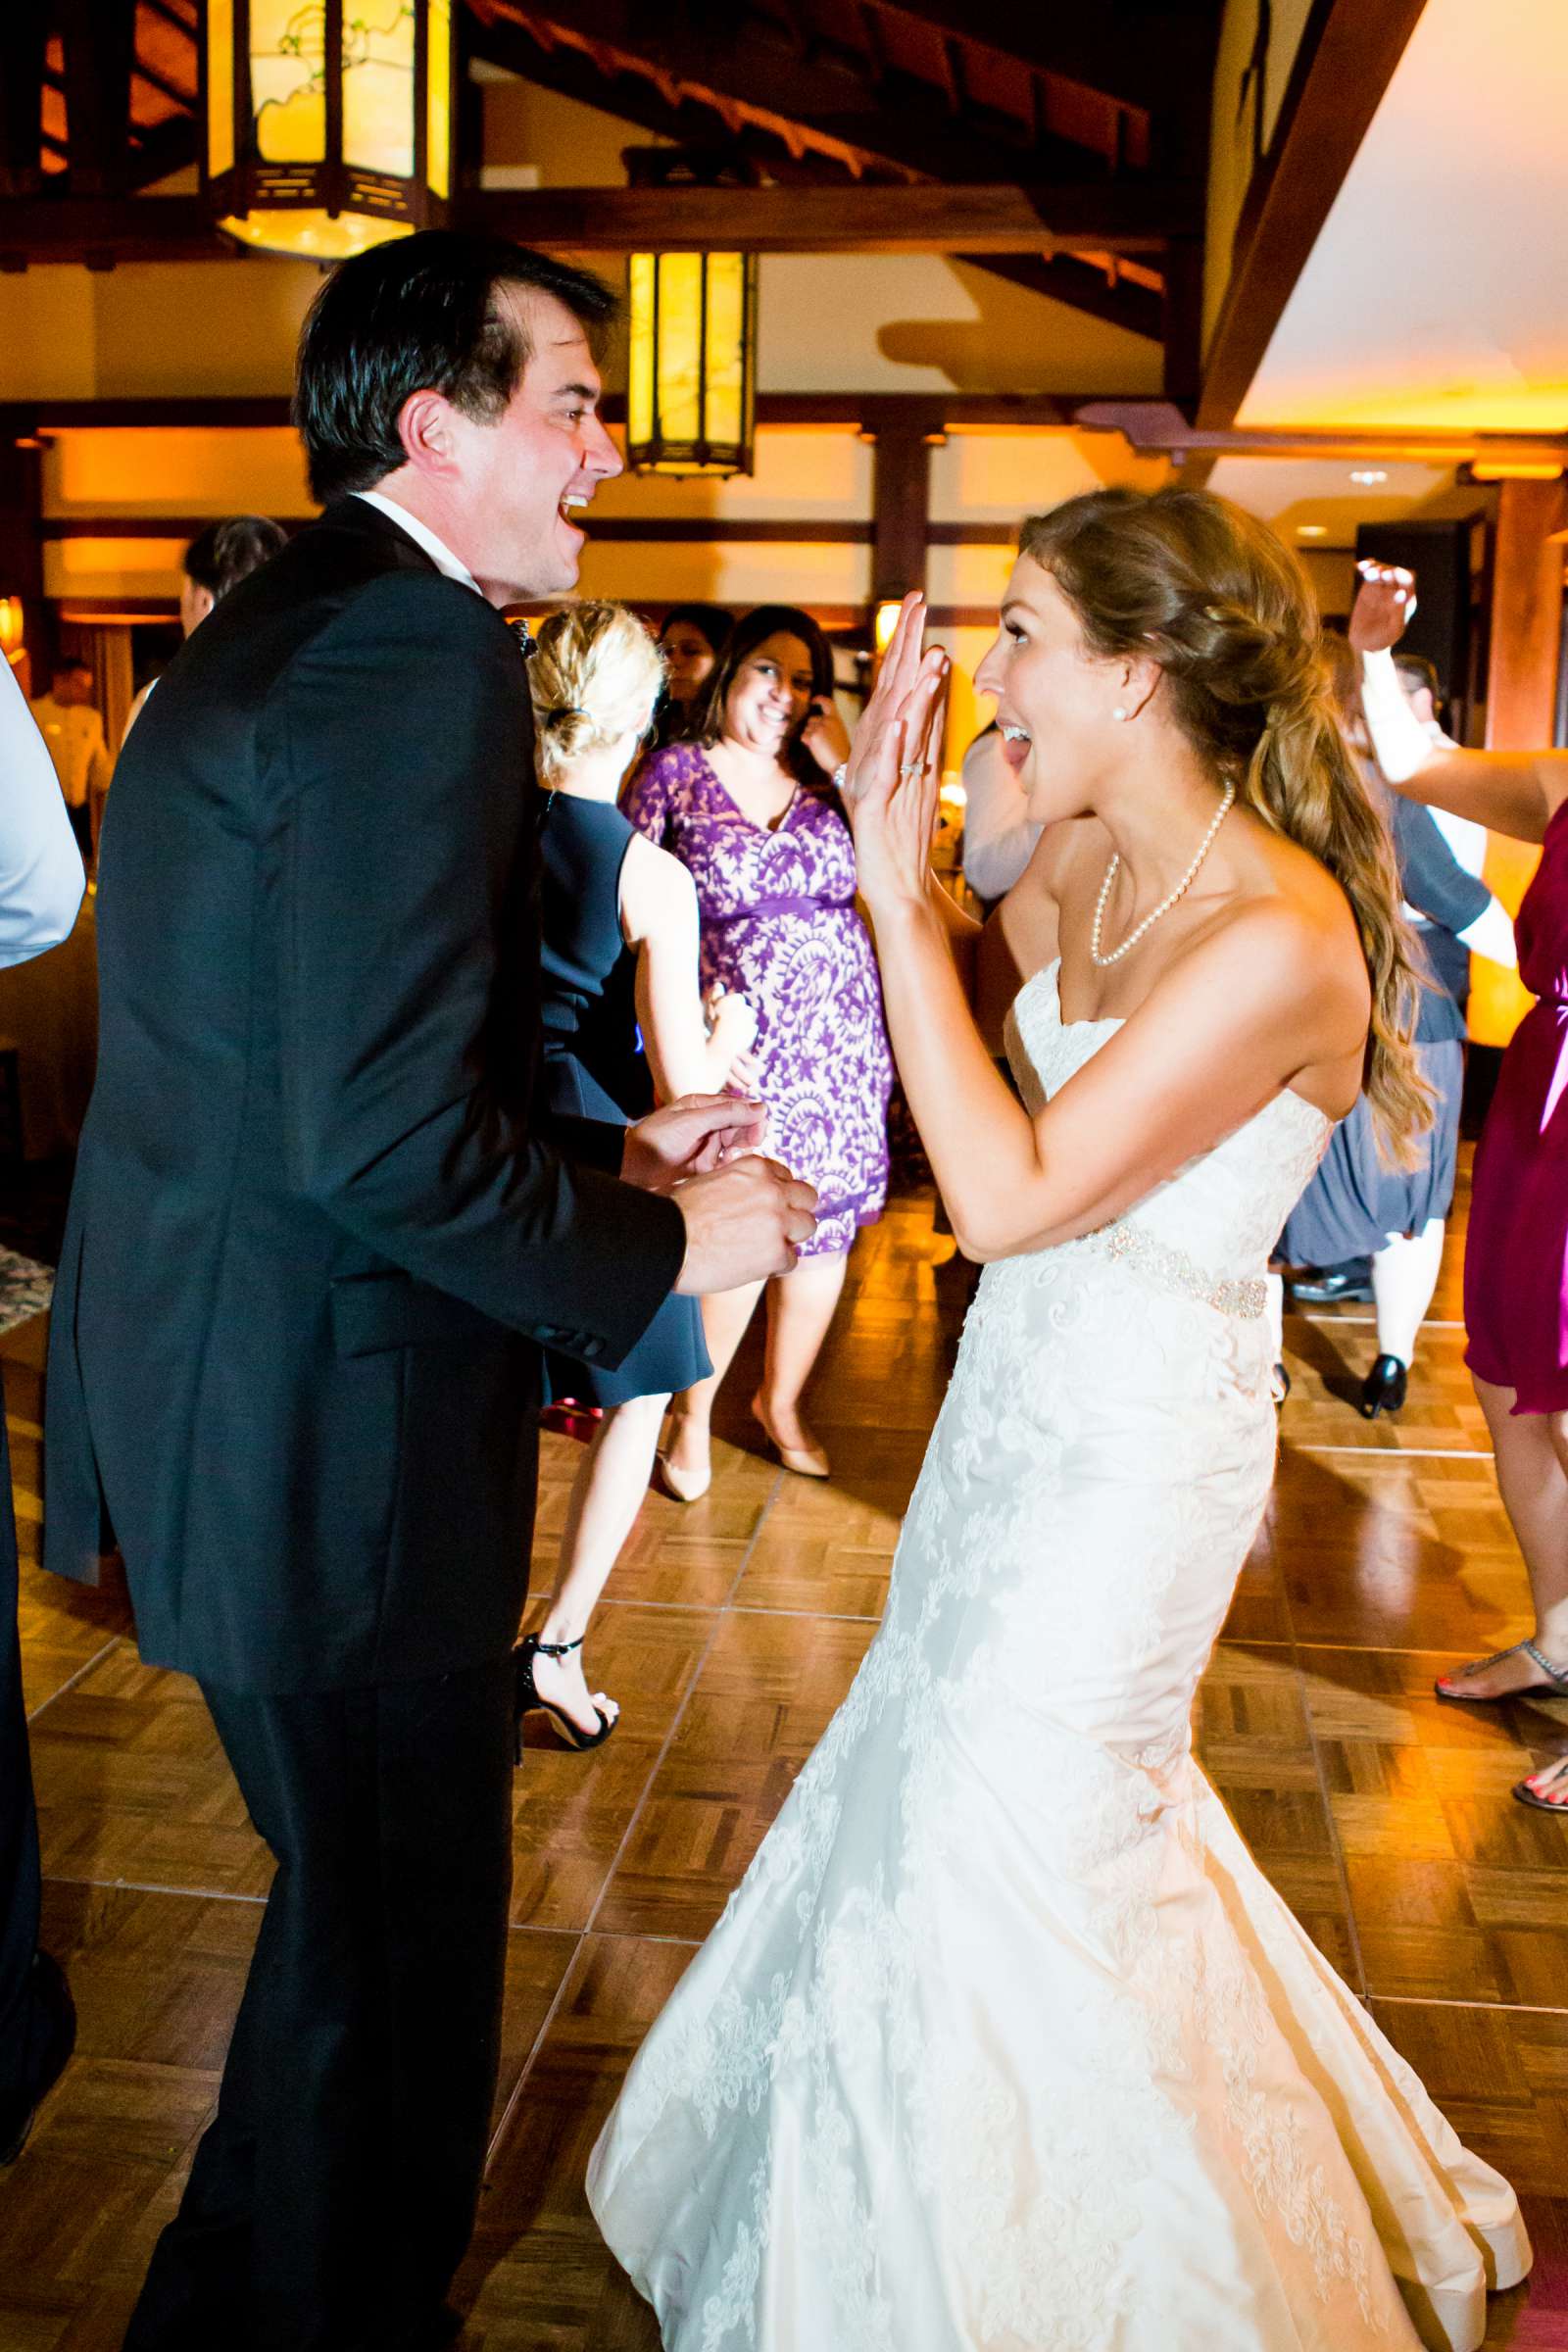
column 314, row 1243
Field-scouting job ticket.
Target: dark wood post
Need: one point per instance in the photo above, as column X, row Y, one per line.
column 22, row 33
column 1526, row 617
column 901, row 502
column 22, row 544
column 99, row 42
column 1525, row 638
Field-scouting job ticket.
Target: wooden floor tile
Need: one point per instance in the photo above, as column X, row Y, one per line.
column 571, row 1810
column 761, row 1703
column 730, row 1632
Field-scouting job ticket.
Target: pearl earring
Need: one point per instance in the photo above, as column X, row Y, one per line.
column 1118, row 713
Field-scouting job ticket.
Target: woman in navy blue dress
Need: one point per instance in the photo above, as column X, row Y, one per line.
column 619, row 951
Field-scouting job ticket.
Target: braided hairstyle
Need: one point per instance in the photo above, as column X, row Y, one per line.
column 1210, row 594
column 594, row 676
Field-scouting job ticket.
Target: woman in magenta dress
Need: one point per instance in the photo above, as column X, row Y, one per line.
column 1516, row 1256
column 748, row 806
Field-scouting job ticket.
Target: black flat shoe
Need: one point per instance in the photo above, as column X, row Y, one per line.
column 52, row 2031
column 528, row 1698
column 1332, row 1284
column 1383, row 1390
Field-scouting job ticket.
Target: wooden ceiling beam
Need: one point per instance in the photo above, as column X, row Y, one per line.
column 1104, row 216
column 1139, row 310
column 569, row 72
column 1110, row 217
column 1144, row 57
column 1159, row 428
column 1347, row 56
column 872, row 412
column 164, row 147
column 905, row 121
column 100, row 229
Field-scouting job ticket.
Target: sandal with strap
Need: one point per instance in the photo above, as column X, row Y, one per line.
column 1527, row 1794
column 1555, row 1681
column 530, row 1697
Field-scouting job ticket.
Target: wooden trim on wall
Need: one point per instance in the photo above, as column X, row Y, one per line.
column 621, row 530
column 1347, row 59
column 143, row 526
column 835, row 617
column 675, row 528
column 971, row 534
column 624, row 527
column 869, row 411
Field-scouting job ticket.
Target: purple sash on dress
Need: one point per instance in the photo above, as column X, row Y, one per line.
column 803, row 907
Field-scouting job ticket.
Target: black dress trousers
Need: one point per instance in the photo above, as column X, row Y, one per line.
column 332, row 2196
column 18, row 1831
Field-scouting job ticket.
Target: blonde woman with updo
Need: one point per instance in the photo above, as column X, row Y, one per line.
column 618, row 949
column 1005, row 2042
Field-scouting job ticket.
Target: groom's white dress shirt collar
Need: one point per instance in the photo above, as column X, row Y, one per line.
column 421, row 534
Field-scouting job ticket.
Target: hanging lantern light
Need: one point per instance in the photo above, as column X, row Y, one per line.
column 329, row 122
column 691, row 380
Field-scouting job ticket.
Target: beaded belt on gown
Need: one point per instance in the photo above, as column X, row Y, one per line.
column 1131, row 1244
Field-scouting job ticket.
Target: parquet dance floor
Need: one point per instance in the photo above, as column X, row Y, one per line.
column 730, row 1633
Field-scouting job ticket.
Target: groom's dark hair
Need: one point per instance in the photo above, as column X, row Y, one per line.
column 418, row 314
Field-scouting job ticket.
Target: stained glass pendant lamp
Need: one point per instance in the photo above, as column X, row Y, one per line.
column 691, row 380
column 329, row 122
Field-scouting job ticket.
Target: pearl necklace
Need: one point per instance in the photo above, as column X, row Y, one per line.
column 1165, row 904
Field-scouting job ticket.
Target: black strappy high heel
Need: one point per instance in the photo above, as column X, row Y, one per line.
column 529, row 1696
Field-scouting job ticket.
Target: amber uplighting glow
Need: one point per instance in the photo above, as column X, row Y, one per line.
column 11, row 626
column 328, row 122
column 1515, row 470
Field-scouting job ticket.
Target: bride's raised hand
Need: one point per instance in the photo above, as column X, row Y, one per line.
column 896, row 818
column 887, row 756
column 894, row 681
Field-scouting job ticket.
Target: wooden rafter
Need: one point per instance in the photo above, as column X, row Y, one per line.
column 1346, row 61
column 1107, row 218
column 1136, row 57
column 1102, row 215
column 539, row 52
column 904, row 120
column 596, row 78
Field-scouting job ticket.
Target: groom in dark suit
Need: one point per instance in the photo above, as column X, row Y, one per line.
column 315, row 1245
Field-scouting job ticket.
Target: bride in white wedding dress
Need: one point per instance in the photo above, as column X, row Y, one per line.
column 1004, row 2045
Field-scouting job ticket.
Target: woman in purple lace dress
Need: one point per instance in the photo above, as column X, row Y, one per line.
column 748, row 805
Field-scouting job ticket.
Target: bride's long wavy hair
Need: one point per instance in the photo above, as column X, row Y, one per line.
column 1227, row 612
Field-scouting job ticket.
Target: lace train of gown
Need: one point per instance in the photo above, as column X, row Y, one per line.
column 1004, row 2044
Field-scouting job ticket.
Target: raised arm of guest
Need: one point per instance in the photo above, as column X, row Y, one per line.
column 1446, row 892
column 41, row 879
column 1518, row 793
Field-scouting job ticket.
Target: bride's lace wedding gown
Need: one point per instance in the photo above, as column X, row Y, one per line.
column 1005, row 2042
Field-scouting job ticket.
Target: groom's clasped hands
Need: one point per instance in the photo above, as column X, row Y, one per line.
column 746, row 1215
